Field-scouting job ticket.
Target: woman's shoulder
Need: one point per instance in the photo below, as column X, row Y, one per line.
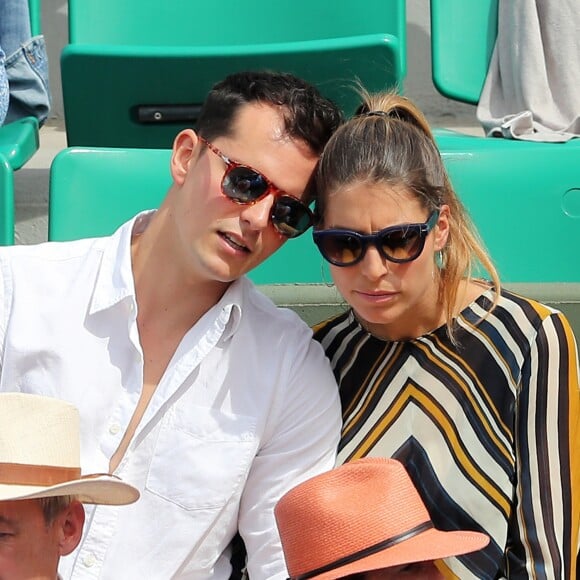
column 508, row 308
column 323, row 328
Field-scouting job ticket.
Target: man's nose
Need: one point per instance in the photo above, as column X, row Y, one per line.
column 257, row 215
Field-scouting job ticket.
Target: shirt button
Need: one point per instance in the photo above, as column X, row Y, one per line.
column 114, row 428
column 89, row 560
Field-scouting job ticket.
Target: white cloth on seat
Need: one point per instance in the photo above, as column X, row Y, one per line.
column 532, row 89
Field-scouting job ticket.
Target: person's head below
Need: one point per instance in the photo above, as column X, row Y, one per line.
column 364, row 520
column 381, row 173
column 242, row 178
column 41, row 488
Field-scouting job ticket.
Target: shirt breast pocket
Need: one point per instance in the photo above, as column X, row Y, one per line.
column 202, row 457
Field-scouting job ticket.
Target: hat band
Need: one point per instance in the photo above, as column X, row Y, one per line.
column 366, row 552
column 45, row 475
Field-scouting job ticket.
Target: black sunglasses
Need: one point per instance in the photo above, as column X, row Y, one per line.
column 246, row 186
column 400, row 244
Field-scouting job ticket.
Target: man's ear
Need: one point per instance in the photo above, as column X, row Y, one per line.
column 184, row 150
column 71, row 522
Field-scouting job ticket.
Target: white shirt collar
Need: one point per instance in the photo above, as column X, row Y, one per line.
column 115, row 277
column 115, row 280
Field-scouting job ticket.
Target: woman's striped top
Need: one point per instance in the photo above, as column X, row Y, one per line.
column 487, row 428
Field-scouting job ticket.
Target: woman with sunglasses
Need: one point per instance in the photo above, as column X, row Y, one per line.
column 473, row 388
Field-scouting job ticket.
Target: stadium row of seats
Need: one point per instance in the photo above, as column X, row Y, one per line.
column 93, row 190
column 135, row 72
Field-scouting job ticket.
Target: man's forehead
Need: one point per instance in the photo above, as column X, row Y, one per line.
column 13, row 510
column 263, row 119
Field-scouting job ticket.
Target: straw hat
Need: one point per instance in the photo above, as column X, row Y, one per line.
column 40, row 455
column 362, row 516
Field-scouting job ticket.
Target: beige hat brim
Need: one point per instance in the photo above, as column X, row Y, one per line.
column 102, row 489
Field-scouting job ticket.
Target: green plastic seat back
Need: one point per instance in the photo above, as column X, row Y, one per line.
column 6, row 203
column 93, row 191
column 463, row 34
column 136, row 72
column 231, row 22
column 18, row 143
column 34, row 8
column 525, row 200
column 523, row 196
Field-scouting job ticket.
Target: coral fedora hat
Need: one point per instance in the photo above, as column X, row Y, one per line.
column 364, row 515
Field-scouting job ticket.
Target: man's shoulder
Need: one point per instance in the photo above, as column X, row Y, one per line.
column 50, row 264
column 260, row 308
column 52, row 251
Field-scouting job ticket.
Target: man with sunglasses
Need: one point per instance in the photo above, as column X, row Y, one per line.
column 191, row 385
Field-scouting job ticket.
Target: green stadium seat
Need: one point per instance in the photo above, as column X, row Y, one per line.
column 136, row 72
column 463, row 34
column 93, row 191
column 35, row 10
column 524, row 196
column 524, row 199
column 6, row 203
column 19, row 141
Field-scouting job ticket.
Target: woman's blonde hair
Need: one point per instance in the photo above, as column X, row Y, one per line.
column 389, row 141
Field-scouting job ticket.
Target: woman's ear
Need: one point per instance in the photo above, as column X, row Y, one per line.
column 184, row 150
column 441, row 230
column 71, row 522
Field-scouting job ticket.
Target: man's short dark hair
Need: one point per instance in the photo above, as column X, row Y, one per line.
column 308, row 115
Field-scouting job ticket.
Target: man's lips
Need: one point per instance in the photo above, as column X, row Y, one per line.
column 235, row 242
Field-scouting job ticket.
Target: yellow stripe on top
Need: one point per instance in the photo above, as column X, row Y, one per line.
column 442, row 421
column 476, row 407
column 574, row 414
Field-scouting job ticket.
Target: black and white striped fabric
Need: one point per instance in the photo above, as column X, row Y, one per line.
column 487, row 428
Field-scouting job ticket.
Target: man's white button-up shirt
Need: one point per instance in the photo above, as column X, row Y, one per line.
column 246, row 409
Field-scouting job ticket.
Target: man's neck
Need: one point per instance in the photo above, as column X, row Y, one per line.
column 169, row 297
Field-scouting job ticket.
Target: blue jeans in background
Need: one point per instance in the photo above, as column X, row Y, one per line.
column 23, row 65
column 4, row 94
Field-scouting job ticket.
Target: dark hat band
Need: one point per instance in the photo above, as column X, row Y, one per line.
column 366, row 552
